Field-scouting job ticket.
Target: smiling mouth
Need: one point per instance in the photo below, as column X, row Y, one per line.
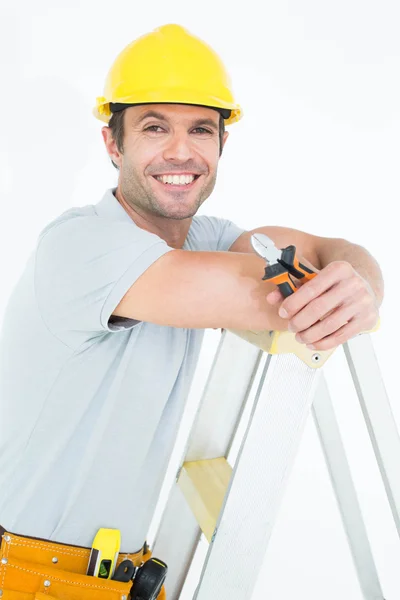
column 175, row 181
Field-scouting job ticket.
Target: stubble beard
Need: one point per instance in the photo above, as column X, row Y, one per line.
column 142, row 199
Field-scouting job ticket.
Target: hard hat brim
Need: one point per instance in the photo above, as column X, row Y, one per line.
column 103, row 110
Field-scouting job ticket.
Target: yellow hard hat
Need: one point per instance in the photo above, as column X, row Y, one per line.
column 168, row 65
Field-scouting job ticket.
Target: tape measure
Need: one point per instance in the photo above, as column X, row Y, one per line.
column 149, row 580
column 104, row 554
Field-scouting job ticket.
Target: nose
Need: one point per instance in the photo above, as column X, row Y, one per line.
column 178, row 148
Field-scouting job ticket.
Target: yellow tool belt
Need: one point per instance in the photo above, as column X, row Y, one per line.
column 36, row 569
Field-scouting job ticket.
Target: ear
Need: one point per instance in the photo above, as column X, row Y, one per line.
column 224, row 138
column 111, row 146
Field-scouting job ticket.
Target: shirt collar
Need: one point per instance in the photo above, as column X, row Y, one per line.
column 110, row 207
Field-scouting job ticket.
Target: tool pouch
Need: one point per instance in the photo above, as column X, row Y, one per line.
column 34, row 569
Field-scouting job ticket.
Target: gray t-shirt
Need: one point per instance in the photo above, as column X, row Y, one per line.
column 90, row 404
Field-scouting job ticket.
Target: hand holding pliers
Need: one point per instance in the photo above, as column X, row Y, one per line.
column 282, row 264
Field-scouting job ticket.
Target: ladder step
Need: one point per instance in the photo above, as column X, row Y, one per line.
column 204, row 484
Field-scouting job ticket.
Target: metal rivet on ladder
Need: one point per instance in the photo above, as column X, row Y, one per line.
column 123, row 597
column 7, row 538
column 46, row 583
column 54, row 559
column 4, row 561
column 316, row 358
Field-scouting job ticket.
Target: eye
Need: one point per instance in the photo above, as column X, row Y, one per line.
column 203, row 130
column 153, row 128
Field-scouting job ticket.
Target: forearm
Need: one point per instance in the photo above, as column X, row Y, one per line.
column 359, row 258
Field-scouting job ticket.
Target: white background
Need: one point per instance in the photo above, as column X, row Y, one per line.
column 317, row 150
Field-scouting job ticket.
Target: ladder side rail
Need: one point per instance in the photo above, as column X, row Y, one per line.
column 343, row 486
column 378, row 416
column 225, row 395
column 176, row 543
column 224, row 398
column 238, row 547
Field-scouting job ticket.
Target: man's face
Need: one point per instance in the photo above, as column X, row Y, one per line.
column 171, row 153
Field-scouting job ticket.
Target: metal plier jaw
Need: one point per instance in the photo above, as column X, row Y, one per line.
column 282, row 263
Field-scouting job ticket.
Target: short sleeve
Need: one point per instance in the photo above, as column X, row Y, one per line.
column 84, row 267
column 215, row 233
column 229, row 232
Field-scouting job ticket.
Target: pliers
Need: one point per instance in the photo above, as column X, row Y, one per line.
column 282, row 263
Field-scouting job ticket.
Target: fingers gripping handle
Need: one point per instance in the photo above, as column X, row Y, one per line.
column 279, row 273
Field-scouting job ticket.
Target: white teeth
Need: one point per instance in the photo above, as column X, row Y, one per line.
column 176, row 179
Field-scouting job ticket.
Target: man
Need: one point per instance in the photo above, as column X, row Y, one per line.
column 102, row 333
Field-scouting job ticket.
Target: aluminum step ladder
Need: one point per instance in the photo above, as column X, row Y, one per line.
column 236, row 506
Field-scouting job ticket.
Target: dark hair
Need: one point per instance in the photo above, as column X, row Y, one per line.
column 116, row 124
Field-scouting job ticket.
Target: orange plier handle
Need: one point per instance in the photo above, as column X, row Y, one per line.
column 280, row 272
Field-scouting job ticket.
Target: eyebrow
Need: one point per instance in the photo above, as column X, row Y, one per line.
column 157, row 115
